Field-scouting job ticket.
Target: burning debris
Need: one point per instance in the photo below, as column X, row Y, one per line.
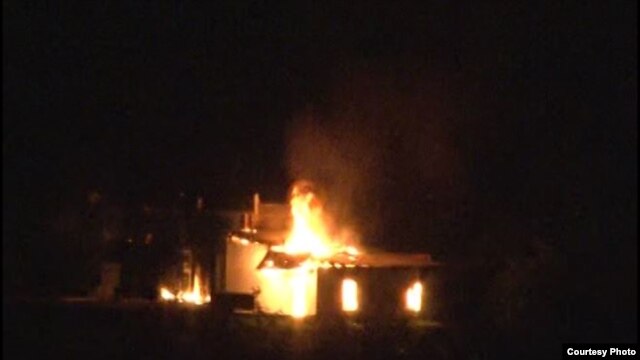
column 195, row 292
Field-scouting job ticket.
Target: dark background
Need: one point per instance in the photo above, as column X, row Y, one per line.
column 503, row 138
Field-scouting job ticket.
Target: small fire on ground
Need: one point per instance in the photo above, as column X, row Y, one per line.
column 195, row 294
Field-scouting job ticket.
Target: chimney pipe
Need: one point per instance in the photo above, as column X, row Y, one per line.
column 246, row 221
column 256, row 204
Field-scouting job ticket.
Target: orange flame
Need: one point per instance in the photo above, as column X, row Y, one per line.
column 309, row 231
column 310, row 235
column 195, row 295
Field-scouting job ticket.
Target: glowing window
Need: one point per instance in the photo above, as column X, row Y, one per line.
column 349, row 295
column 414, row 297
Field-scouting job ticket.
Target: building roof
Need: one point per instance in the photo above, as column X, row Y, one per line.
column 389, row 259
column 280, row 260
column 264, row 237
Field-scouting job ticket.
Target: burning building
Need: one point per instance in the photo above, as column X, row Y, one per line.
column 285, row 259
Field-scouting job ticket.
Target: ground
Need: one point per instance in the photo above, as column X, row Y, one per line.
column 84, row 330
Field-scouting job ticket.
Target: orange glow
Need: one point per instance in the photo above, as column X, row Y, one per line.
column 349, row 295
column 414, row 297
column 299, row 294
column 165, row 294
column 351, row 251
column 288, row 291
column 195, row 296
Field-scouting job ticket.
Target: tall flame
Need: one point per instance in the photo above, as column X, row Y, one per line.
column 310, row 236
column 309, row 232
column 195, row 295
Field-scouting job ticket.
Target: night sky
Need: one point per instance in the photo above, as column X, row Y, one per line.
column 441, row 128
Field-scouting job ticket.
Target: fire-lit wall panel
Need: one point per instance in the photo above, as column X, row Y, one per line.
column 241, row 262
column 288, row 291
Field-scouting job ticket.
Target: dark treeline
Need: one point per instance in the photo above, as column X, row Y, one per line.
column 146, row 240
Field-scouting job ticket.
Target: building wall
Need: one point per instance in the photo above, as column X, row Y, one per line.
column 241, row 263
column 109, row 281
column 288, row 291
column 381, row 291
column 309, row 291
column 278, row 291
column 276, row 217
